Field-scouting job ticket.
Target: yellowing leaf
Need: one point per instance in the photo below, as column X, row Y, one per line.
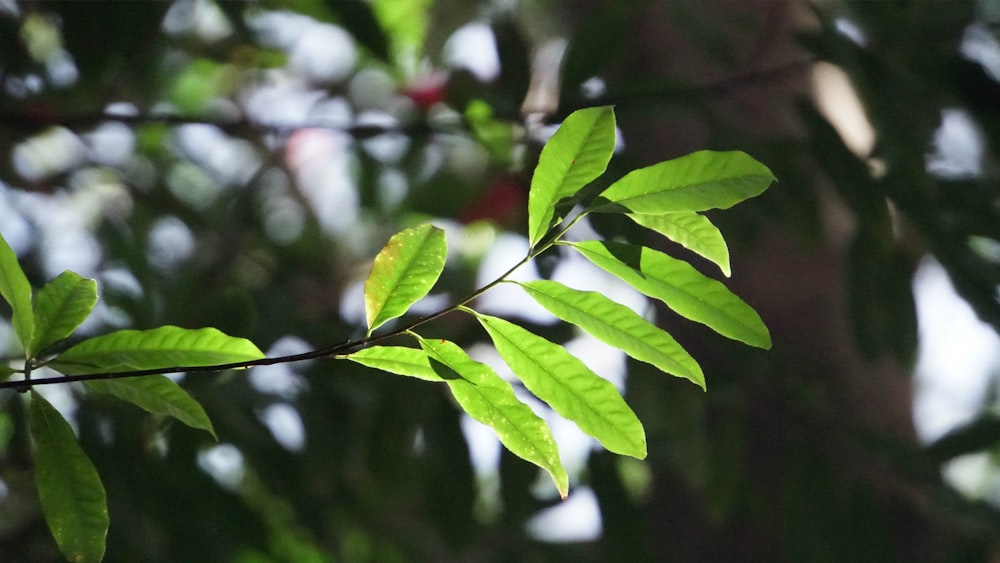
column 404, row 271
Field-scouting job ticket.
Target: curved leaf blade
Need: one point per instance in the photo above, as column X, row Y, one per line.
column 486, row 397
column 60, row 307
column 692, row 231
column 69, row 488
column 576, row 155
column 682, row 288
column 568, row 386
column 400, row 360
column 163, row 347
column 617, row 325
column 157, row 394
column 16, row 291
column 696, row 182
column 404, row 271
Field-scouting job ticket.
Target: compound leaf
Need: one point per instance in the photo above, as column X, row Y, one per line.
column 157, row 394
column 60, row 307
column 617, row 325
column 163, row 347
column 696, row 182
column 577, row 153
column 692, row 231
column 486, row 397
column 682, row 288
column 16, row 291
column 396, row 359
column 69, row 488
column 404, row 271
column 568, row 386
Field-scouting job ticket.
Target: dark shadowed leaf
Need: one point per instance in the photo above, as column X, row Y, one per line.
column 70, row 491
column 157, row 394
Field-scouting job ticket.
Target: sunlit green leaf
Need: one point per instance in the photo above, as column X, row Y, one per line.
column 16, row 291
column 396, row 359
column 70, row 491
column 577, row 153
column 696, row 182
column 403, row 272
column 692, row 231
column 163, row 347
column 568, row 386
column 617, row 325
column 60, row 307
column 6, row 371
column 157, row 394
column 486, row 397
column 682, row 288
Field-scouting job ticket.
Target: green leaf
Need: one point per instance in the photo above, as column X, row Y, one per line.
column 696, row 182
column 577, row 153
column 692, row 231
column 16, row 291
column 163, row 347
column 396, row 359
column 681, row 287
column 70, row 491
column 157, row 394
column 60, row 307
column 403, row 272
column 486, row 397
column 617, row 325
column 568, row 386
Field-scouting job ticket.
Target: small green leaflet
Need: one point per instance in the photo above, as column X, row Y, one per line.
column 696, row 182
column 60, row 307
column 163, row 347
column 692, row 231
column 157, row 394
column 404, row 272
column 71, row 494
column 16, row 291
column 617, row 325
column 564, row 382
column 577, row 153
column 400, row 360
column 682, row 288
column 486, row 397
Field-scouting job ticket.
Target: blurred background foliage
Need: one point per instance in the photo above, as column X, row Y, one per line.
column 237, row 165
